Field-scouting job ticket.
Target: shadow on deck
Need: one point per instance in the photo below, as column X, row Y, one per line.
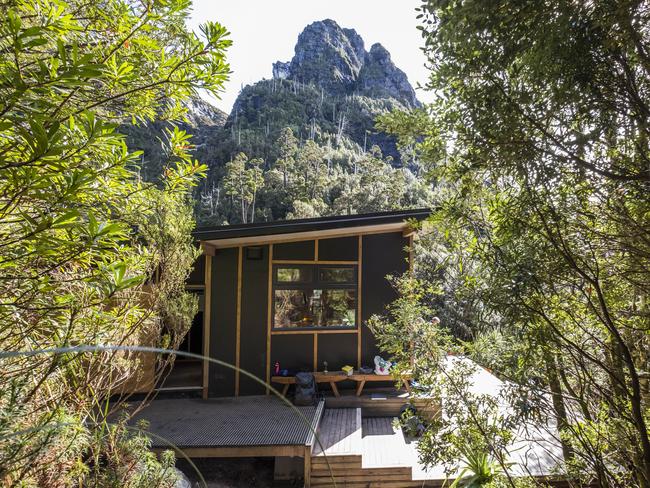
column 375, row 402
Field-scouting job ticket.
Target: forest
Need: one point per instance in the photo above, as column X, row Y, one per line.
column 535, row 261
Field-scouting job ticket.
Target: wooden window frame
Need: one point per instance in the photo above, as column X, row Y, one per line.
column 314, row 284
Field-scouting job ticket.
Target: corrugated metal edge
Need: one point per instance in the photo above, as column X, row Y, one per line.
column 311, row 436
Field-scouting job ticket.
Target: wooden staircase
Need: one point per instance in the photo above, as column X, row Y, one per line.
column 361, row 454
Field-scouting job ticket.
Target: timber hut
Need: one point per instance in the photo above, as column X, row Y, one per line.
column 294, row 295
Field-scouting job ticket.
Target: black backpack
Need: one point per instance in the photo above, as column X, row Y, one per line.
column 305, row 389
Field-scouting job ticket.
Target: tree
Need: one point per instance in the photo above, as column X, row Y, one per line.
column 242, row 181
column 90, row 254
column 308, row 180
column 539, row 143
column 287, row 146
column 371, row 183
column 311, row 172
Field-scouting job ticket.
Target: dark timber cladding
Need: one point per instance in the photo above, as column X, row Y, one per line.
column 339, row 249
column 197, row 276
column 240, row 293
column 301, row 250
column 253, row 331
column 338, row 350
column 383, row 254
column 294, row 352
column 223, row 321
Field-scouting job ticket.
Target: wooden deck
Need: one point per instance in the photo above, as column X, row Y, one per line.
column 339, row 433
column 378, row 402
column 364, row 453
column 254, row 426
column 359, row 451
column 381, row 457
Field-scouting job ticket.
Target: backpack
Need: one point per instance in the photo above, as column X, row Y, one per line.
column 305, row 389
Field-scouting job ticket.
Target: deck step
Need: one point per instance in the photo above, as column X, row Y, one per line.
column 336, row 462
column 384, row 444
column 324, row 472
column 379, row 484
column 363, row 453
column 339, row 433
column 359, row 475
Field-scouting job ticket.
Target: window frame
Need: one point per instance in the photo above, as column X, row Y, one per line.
column 310, row 286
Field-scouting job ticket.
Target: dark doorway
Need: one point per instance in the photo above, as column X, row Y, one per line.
column 187, row 372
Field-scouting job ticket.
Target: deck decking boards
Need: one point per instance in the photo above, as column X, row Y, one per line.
column 386, row 446
column 339, row 433
column 228, row 422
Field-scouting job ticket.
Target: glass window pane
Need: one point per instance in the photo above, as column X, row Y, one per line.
column 338, row 308
column 315, row 308
column 295, row 274
column 337, row 275
column 293, row 308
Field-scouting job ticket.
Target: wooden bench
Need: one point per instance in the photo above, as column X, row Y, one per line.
column 361, row 379
column 331, row 377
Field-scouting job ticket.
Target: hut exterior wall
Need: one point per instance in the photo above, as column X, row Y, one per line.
column 239, row 321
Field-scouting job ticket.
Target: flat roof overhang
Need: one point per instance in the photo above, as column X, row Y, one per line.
column 306, row 229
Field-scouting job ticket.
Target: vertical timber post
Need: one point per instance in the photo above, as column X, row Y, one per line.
column 359, row 269
column 207, row 297
column 240, row 258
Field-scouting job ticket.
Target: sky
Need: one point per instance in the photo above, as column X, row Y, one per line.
column 265, row 31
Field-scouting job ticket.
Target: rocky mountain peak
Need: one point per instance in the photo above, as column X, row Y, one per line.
column 379, row 77
column 335, row 59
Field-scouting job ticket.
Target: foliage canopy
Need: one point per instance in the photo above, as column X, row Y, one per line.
column 90, row 254
column 539, row 143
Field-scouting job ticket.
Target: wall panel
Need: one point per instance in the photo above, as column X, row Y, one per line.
column 338, row 249
column 253, row 327
column 294, row 352
column 197, row 275
column 338, row 350
column 223, row 321
column 300, row 250
column 382, row 254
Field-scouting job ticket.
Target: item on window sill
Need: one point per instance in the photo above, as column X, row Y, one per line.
column 382, row 367
column 348, row 370
column 276, row 369
column 365, row 370
column 284, row 372
column 324, row 366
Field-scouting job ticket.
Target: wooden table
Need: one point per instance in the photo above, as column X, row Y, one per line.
column 331, row 377
column 361, row 379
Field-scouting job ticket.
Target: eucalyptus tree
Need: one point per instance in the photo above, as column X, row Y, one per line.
column 90, row 254
column 288, row 147
column 242, row 182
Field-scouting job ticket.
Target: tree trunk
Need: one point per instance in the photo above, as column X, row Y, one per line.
column 558, row 405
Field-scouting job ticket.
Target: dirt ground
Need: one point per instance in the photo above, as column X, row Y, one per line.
column 233, row 473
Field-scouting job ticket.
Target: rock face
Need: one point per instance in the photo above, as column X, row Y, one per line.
column 204, row 122
column 331, row 92
column 335, row 59
column 379, row 77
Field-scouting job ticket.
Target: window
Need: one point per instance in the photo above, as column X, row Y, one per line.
column 314, row 296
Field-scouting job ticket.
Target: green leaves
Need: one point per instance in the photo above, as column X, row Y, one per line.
column 81, row 236
column 538, row 190
column 116, row 279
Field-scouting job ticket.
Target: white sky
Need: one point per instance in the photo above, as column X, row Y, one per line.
column 265, row 31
